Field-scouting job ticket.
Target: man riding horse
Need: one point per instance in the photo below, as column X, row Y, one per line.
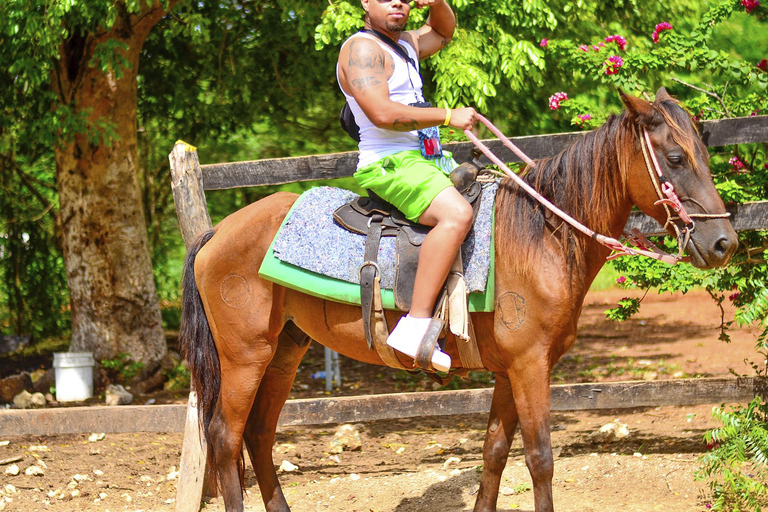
column 400, row 156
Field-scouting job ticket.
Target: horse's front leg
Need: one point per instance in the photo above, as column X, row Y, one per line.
column 529, row 376
column 498, row 439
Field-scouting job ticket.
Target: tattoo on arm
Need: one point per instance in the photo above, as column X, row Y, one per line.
column 363, row 83
column 405, row 124
column 365, row 56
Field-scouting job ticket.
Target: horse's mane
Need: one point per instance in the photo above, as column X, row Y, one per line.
column 587, row 180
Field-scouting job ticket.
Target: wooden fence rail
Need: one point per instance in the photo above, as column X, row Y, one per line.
column 190, row 180
column 277, row 171
column 354, row 409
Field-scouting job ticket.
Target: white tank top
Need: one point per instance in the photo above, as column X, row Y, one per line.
column 404, row 87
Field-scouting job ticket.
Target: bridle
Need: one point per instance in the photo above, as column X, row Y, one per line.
column 664, row 188
column 670, row 200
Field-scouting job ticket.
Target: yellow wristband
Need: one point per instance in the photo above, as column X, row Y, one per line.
column 447, row 117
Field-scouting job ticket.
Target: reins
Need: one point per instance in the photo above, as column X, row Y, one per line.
column 664, row 188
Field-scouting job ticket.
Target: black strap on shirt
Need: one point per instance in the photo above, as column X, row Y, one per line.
column 402, row 52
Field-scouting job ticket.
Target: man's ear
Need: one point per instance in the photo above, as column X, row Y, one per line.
column 365, row 5
column 637, row 107
column 663, row 95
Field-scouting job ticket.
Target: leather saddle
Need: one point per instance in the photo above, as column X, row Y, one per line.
column 374, row 217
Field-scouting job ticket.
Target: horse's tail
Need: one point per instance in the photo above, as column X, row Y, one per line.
column 196, row 343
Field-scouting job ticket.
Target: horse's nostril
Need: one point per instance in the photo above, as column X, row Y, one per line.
column 725, row 245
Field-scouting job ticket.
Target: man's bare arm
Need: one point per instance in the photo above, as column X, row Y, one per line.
column 362, row 70
column 438, row 31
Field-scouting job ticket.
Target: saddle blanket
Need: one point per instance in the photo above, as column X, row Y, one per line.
column 312, row 253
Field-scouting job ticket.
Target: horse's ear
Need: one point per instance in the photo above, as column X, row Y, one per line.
column 663, row 95
column 637, row 107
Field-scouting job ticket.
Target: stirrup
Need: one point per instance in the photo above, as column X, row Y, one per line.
column 427, row 356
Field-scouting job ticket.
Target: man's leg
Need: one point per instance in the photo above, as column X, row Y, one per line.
column 451, row 217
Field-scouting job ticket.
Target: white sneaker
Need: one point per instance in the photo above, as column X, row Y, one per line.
column 406, row 338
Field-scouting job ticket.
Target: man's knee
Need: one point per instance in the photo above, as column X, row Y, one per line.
column 461, row 216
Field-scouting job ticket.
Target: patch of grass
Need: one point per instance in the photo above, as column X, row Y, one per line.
column 606, row 279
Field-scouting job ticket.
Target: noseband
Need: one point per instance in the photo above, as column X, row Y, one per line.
column 664, row 189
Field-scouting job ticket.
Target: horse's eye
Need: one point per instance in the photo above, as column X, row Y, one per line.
column 675, row 159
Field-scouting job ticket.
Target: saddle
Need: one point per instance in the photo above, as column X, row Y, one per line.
column 374, row 217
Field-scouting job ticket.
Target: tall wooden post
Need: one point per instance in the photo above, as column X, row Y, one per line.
column 192, row 210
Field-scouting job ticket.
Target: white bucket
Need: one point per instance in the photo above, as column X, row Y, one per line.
column 74, row 376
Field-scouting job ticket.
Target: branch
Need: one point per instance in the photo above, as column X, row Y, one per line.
column 709, row 93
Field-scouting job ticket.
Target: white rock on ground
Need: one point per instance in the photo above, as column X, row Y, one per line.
column 611, row 431
column 347, row 438
column 12, row 470
column 287, row 467
column 117, row 395
column 27, row 400
column 34, row 471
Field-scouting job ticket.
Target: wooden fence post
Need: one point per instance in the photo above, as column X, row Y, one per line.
column 192, row 210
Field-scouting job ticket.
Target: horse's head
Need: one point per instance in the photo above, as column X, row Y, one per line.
column 684, row 161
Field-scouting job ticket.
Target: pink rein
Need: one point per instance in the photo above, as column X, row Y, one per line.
column 611, row 243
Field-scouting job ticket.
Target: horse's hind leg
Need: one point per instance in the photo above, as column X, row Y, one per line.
column 243, row 363
column 502, row 423
column 260, row 430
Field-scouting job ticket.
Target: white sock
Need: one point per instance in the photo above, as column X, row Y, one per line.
column 407, row 336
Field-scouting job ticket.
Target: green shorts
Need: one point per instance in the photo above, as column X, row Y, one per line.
column 408, row 180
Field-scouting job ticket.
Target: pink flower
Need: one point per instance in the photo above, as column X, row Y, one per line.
column 555, row 99
column 736, row 163
column 619, row 40
column 584, row 48
column 661, row 26
column 750, row 5
column 544, row 43
column 596, row 48
column 734, row 296
column 613, row 64
column 584, row 117
column 763, row 64
column 754, row 113
column 621, row 280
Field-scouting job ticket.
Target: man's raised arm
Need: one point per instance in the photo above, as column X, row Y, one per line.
column 437, row 32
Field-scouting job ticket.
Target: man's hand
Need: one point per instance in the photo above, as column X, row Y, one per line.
column 421, row 4
column 463, row 118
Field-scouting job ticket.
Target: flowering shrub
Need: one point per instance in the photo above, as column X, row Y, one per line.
column 613, row 64
column 555, row 99
column 750, row 5
column 736, row 163
column 544, row 42
column 763, row 64
column 584, row 48
column 661, row 26
column 619, row 40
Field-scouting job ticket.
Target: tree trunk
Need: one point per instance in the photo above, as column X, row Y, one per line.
column 102, row 226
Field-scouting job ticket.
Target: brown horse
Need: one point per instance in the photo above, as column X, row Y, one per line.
column 243, row 352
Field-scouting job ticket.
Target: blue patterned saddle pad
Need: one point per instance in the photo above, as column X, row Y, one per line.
column 310, row 239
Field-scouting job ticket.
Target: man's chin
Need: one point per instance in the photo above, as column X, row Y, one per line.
column 394, row 27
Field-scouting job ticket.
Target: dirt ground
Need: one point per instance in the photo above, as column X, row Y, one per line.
column 424, row 464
